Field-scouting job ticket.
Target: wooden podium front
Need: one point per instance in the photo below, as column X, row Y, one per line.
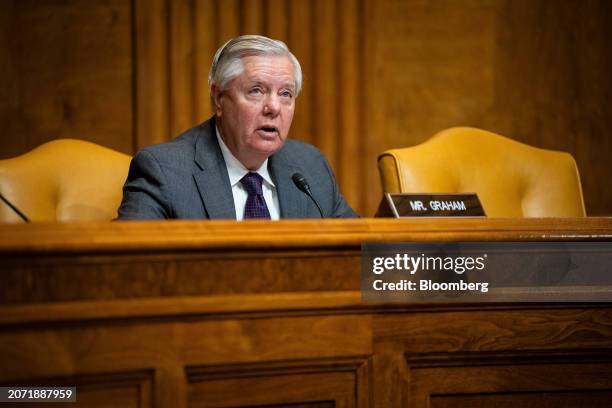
column 269, row 314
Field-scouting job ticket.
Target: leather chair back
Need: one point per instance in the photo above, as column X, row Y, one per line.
column 64, row 180
column 511, row 179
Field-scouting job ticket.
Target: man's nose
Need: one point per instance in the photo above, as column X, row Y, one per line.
column 271, row 106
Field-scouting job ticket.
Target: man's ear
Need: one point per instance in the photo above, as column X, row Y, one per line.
column 216, row 99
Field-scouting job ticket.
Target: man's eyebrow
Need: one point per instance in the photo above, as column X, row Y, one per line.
column 290, row 85
column 254, row 81
column 259, row 82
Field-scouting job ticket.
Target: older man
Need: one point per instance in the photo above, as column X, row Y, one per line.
column 238, row 164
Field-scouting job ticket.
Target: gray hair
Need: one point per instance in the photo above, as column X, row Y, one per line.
column 227, row 62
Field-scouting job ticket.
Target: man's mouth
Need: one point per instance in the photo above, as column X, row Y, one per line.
column 268, row 130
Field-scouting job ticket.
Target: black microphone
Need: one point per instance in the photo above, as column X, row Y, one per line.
column 302, row 184
column 15, row 209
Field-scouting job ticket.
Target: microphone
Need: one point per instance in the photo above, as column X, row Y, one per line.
column 15, row 209
column 302, row 184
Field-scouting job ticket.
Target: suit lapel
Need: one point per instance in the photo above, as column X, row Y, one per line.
column 211, row 175
column 291, row 200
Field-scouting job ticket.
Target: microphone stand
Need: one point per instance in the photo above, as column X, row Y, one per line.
column 15, row 209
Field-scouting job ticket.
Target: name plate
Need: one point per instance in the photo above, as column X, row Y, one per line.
column 400, row 205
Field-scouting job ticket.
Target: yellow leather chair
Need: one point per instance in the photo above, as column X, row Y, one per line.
column 64, row 180
column 511, row 179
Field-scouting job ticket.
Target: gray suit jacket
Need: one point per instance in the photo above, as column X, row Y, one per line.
column 187, row 178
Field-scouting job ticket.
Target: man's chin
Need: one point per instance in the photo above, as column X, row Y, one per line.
column 267, row 149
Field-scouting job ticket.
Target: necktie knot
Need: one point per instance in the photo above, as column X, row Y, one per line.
column 252, row 183
column 255, row 204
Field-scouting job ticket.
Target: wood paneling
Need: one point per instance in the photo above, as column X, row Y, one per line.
column 119, row 389
column 133, row 237
column 65, row 72
column 377, row 75
column 535, row 71
column 457, row 332
column 552, row 85
column 305, row 390
column 152, row 72
column 182, row 65
column 297, row 338
column 532, row 399
column 301, row 29
column 310, row 383
column 524, row 384
column 117, row 262
column 63, row 277
column 205, row 47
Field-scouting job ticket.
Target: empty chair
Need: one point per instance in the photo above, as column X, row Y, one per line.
column 511, row 179
column 64, row 180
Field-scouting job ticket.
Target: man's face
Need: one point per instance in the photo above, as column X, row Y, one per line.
column 255, row 112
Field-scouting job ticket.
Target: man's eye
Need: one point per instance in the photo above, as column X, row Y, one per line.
column 255, row 91
column 286, row 94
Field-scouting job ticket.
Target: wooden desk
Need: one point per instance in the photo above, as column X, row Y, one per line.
column 176, row 314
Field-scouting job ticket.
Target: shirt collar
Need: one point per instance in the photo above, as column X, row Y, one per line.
column 236, row 170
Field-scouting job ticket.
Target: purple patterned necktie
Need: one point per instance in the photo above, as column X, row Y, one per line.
column 255, row 204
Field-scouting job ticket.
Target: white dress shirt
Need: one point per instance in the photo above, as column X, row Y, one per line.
column 237, row 171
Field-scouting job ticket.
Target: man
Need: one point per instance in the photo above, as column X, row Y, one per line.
column 238, row 164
